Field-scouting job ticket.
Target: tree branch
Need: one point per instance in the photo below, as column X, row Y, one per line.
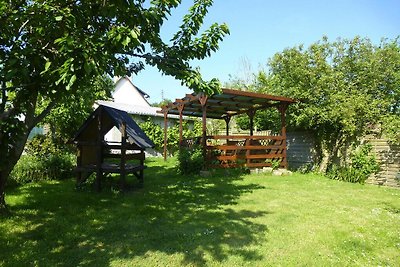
column 3, row 100
column 44, row 113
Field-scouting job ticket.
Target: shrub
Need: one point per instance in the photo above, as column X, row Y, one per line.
column 33, row 169
column 275, row 163
column 156, row 133
column 190, row 160
column 44, row 159
column 362, row 165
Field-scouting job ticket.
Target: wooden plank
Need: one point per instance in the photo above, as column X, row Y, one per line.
column 248, row 147
column 254, row 137
column 244, row 157
column 127, row 146
column 257, row 95
column 110, row 168
column 138, row 156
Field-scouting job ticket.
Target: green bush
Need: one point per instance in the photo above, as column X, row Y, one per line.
column 156, row 133
column 44, row 159
column 362, row 165
column 190, row 160
column 33, row 169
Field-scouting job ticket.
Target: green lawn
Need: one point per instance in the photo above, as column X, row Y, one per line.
column 223, row 220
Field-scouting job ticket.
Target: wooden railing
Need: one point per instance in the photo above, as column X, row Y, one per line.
column 224, row 151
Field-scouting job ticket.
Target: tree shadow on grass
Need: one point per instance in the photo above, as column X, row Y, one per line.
column 193, row 219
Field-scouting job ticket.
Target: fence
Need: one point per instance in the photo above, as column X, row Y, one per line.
column 301, row 153
column 388, row 157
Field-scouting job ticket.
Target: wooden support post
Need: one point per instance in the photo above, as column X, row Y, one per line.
column 99, row 152
column 79, row 164
column 251, row 114
column 227, row 119
column 180, row 109
column 203, row 101
column 123, row 156
column 282, row 109
column 248, row 151
column 165, row 132
column 141, row 172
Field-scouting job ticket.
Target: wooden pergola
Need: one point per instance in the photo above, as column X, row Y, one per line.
column 232, row 150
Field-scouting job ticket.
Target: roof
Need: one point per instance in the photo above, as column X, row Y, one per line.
column 226, row 104
column 111, row 117
column 135, row 110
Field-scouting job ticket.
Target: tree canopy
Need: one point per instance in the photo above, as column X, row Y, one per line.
column 48, row 49
column 67, row 116
column 345, row 89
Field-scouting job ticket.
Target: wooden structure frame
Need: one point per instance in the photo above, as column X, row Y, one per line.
column 232, row 150
column 93, row 150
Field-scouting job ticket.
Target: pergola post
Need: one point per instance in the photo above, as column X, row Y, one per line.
column 227, row 119
column 165, row 132
column 180, row 110
column 203, row 102
column 282, row 109
column 251, row 114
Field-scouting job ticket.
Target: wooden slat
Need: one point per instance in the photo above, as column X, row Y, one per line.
column 257, row 95
column 249, row 165
column 254, row 137
column 260, row 156
column 110, row 168
column 249, row 147
column 127, row 146
column 138, row 156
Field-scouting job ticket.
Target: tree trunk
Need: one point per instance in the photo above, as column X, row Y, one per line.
column 330, row 154
column 3, row 205
column 324, row 160
column 12, row 150
column 7, row 167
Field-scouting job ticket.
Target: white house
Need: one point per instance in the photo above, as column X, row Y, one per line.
column 128, row 97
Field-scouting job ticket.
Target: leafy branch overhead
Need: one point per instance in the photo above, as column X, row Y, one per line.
column 51, row 50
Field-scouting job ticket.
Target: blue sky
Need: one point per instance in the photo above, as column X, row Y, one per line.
column 261, row 28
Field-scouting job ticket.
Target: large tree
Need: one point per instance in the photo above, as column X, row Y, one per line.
column 48, row 48
column 68, row 115
column 344, row 88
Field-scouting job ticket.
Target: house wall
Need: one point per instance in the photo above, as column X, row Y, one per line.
column 126, row 93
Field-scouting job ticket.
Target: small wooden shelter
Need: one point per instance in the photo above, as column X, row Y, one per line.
column 93, row 151
column 228, row 151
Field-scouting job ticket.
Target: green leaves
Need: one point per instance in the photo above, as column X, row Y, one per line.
column 49, row 49
column 339, row 84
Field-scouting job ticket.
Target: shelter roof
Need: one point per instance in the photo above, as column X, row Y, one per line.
column 226, row 104
column 111, row 117
column 136, row 109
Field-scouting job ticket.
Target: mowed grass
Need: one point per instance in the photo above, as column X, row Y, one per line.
column 227, row 219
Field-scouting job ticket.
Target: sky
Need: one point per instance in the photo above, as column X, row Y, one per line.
column 261, row 28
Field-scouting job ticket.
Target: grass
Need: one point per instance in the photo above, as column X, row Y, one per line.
column 222, row 220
